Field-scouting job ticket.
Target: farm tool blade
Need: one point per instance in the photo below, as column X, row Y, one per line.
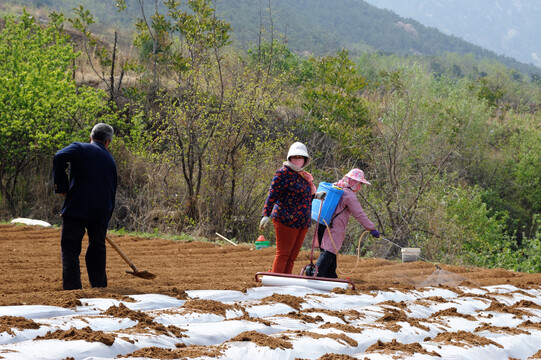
column 142, row 274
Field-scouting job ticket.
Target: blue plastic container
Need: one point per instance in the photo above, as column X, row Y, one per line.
column 329, row 204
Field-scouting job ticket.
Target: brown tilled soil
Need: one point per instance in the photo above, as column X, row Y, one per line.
column 31, row 269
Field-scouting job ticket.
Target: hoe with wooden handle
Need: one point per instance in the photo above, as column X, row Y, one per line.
column 142, row 274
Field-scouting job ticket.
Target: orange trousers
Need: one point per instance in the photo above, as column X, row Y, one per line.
column 288, row 244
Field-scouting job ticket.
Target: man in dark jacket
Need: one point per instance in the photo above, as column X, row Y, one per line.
column 89, row 192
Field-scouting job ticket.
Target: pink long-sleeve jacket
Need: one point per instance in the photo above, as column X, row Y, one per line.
column 349, row 201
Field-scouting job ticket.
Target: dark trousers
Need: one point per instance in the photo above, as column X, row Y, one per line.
column 73, row 230
column 326, row 263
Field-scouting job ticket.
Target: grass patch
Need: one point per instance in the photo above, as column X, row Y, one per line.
column 157, row 235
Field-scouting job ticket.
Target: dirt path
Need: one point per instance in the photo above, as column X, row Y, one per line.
column 31, row 269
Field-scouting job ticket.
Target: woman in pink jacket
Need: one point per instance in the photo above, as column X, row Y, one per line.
column 347, row 205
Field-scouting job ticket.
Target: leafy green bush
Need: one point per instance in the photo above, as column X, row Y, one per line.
column 41, row 109
column 468, row 232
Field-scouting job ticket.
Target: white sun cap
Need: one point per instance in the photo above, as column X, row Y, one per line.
column 298, row 149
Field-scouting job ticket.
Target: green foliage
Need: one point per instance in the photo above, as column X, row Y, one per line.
column 518, row 191
column 528, row 257
column 483, row 234
column 498, row 149
column 274, row 55
column 199, row 32
column 462, row 229
column 41, row 109
column 200, row 28
column 502, row 87
column 527, row 168
column 332, row 101
column 491, row 94
column 487, row 244
column 510, row 171
column 428, row 127
column 489, row 80
column 82, row 22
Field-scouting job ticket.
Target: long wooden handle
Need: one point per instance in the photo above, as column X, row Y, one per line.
column 226, row 239
column 118, row 250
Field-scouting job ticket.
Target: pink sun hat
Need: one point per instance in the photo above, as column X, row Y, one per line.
column 358, row 175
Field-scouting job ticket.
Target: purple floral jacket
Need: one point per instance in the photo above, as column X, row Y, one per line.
column 289, row 201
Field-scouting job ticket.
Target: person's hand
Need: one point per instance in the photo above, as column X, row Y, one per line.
column 264, row 221
column 320, row 195
column 375, row 233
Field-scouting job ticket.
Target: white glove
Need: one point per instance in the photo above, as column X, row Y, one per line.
column 320, row 195
column 264, row 221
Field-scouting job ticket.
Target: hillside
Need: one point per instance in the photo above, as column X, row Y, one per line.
column 316, row 27
column 506, row 27
column 322, row 27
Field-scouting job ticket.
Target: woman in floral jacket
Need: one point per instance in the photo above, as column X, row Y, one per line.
column 289, row 204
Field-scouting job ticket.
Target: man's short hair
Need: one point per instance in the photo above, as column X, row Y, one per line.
column 102, row 132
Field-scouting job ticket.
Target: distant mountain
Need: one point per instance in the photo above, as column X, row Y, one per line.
column 323, row 26
column 318, row 27
column 511, row 28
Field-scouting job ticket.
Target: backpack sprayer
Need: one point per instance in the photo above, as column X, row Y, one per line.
column 325, row 216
